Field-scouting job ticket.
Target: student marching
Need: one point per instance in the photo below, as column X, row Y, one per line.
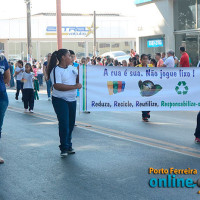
column 28, row 93
column 64, row 78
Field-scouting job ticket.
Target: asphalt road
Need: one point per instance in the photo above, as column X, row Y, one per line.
column 113, row 153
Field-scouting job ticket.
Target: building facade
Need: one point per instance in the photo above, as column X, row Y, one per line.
column 114, row 32
column 168, row 24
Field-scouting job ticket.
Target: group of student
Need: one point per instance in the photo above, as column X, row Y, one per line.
column 62, row 74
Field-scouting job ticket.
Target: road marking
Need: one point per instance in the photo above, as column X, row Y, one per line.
column 122, row 135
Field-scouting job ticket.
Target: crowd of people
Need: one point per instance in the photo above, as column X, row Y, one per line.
column 60, row 71
column 160, row 59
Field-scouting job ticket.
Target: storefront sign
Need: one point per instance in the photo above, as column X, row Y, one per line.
column 155, row 43
column 71, row 30
column 139, row 89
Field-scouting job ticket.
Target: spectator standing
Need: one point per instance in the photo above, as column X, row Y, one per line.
column 159, row 60
column 153, row 62
column 83, row 61
column 116, row 63
column 109, row 62
column 169, row 62
column 40, row 74
column 176, row 61
column 164, row 56
column 184, row 61
column 124, row 63
column 99, row 61
column 93, row 62
column 132, row 53
column 88, row 61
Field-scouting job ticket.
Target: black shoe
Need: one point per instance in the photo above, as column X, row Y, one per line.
column 87, row 112
column 71, row 151
column 16, row 98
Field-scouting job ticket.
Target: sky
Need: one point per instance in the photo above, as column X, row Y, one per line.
column 17, row 8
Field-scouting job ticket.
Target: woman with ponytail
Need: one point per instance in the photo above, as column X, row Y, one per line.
column 64, row 79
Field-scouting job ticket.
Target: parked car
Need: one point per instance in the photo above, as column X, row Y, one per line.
column 114, row 54
column 121, row 58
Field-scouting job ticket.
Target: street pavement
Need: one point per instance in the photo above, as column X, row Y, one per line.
column 113, row 153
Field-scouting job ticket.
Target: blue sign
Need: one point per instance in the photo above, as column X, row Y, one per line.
column 141, row 1
column 155, row 43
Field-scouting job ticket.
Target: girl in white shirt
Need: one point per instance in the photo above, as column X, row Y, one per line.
column 28, row 93
column 64, row 79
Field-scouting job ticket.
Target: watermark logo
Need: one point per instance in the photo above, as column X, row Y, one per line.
column 171, row 180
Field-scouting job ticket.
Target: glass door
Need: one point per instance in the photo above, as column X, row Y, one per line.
column 191, row 41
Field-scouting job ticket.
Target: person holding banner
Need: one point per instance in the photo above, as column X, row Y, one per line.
column 64, row 79
column 144, row 63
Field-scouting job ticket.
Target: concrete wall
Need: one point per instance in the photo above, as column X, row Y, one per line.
column 156, row 18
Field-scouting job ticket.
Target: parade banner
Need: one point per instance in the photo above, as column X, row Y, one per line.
column 139, row 89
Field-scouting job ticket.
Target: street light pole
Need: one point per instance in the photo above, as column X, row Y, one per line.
column 29, row 45
column 59, row 24
column 95, row 42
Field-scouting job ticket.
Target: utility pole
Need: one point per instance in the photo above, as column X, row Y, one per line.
column 29, row 45
column 59, row 24
column 95, row 40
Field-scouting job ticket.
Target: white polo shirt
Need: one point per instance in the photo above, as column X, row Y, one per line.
column 169, row 62
column 28, row 82
column 66, row 76
column 19, row 76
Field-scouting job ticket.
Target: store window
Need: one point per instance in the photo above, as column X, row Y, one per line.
column 198, row 10
column 104, row 47
column 115, row 46
column 185, row 14
column 192, row 43
column 1, row 47
column 152, row 45
column 17, row 51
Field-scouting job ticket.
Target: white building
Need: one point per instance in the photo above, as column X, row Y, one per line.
column 114, row 32
column 168, row 24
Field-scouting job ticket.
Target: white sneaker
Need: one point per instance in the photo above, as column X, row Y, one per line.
column 49, row 99
column 31, row 111
column 26, row 110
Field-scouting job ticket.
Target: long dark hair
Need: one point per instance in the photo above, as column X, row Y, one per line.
column 154, row 62
column 55, row 59
column 29, row 66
